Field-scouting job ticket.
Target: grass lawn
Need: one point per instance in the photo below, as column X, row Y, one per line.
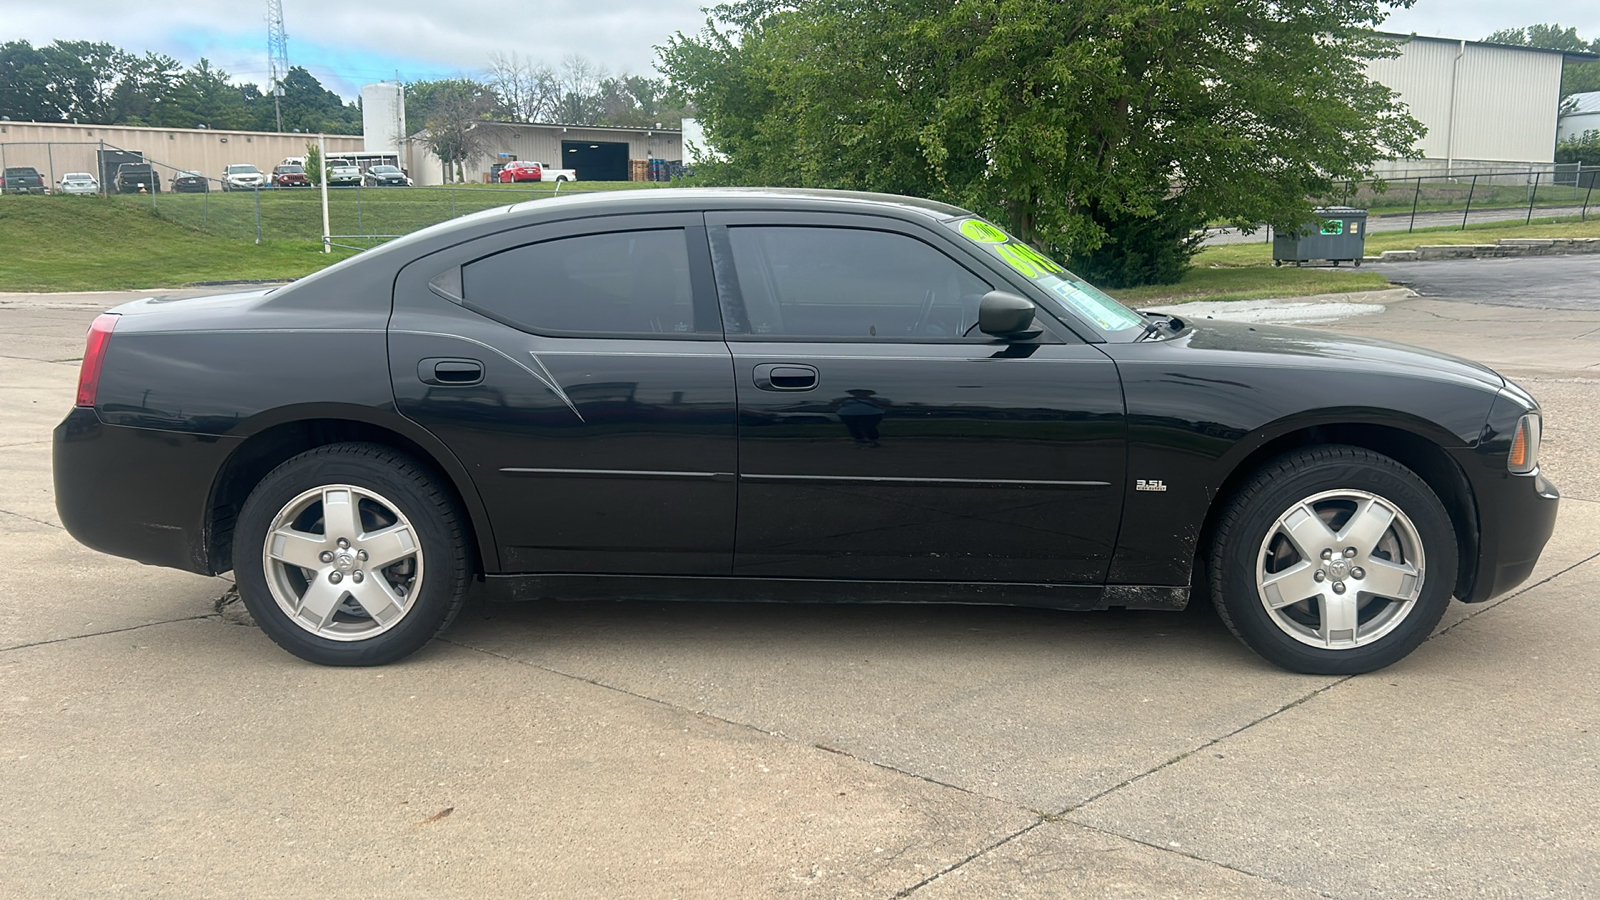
column 59, row 243
column 1253, row 283
column 1245, row 271
column 296, row 214
column 84, row 244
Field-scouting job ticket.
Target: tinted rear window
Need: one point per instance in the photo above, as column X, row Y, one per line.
column 631, row 283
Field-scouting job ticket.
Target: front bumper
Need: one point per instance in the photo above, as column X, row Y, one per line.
column 1517, row 515
column 138, row 493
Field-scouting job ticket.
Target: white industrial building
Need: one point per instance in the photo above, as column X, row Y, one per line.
column 1580, row 114
column 1487, row 107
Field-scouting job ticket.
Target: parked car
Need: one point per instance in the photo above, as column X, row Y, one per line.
column 342, row 172
column 519, row 170
column 786, row 395
column 290, row 175
column 22, row 180
column 137, row 178
column 190, row 182
column 550, row 173
column 387, row 176
column 242, row 177
column 79, row 184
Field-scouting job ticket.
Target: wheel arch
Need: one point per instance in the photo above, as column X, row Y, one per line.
column 1421, row 454
column 277, row 436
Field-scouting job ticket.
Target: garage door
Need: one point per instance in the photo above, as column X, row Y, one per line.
column 595, row 160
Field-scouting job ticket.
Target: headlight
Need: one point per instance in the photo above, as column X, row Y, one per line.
column 1524, row 456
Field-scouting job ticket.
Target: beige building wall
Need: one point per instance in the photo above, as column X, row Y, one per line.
column 1480, row 102
column 542, row 143
column 60, row 148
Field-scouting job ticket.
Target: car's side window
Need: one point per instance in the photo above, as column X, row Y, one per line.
column 850, row 283
column 617, row 284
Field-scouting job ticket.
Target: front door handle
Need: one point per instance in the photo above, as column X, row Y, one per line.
column 785, row 377
column 450, row 372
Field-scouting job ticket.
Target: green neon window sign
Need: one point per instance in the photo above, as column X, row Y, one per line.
column 1067, row 289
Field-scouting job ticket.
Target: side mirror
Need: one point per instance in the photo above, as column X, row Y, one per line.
column 1006, row 315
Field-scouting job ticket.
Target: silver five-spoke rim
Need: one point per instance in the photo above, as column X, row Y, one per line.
column 1340, row 569
column 343, row 562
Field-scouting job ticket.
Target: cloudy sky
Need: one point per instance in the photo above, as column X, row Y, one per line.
column 348, row 44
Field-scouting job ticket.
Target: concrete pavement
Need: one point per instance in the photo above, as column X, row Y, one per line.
column 149, row 746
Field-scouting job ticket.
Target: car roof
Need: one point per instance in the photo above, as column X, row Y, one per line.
column 649, row 200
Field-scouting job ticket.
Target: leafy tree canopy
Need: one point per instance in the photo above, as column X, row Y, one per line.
column 97, row 83
column 1105, row 130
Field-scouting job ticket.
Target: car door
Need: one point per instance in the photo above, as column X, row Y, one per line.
column 578, row 371
column 882, row 436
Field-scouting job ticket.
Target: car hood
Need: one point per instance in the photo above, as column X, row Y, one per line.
column 1281, row 345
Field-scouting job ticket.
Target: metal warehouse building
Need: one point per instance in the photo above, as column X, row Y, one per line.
column 596, row 153
column 56, row 148
column 1487, row 107
column 1580, row 114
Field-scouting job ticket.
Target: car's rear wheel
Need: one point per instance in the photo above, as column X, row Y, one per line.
column 1333, row 561
column 351, row 555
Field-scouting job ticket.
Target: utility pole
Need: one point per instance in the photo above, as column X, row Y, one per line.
column 277, row 55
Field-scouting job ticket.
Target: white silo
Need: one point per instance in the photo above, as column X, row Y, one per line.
column 383, row 117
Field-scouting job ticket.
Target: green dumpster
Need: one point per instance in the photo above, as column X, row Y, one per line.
column 1338, row 235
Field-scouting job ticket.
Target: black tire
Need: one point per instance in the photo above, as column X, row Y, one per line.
column 441, row 559
column 1249, row 540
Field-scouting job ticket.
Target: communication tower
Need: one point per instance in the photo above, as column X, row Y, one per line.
column 277, row 55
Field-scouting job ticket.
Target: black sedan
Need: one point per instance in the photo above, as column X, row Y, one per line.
column 387, row 176
column 190, row 183
column 786, row 395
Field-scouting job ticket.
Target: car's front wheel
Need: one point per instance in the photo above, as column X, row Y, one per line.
column 351, row 555
column 1333, row 560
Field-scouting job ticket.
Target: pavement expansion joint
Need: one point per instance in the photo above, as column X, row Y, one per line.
column 31, row 518
column 983, row 851
column 1485, row 607
column 79, row 637
column 712, row 716
column 1197, row 857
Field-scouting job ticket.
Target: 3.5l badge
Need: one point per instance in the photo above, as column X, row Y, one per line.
column 1150, row 485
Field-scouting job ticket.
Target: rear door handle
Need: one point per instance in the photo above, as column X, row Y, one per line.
column 785, row 377
column 450, row 372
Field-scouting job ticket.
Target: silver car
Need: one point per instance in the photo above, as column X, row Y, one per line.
column 81, row 183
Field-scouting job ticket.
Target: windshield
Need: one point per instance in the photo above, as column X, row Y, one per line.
column 243, row 170
column 290, row 170
column 1071, row 293
column 384, row 170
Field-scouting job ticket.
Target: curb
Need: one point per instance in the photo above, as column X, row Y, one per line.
column 1505, row 248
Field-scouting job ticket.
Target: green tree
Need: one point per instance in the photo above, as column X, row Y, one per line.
column 422, row 96
column 313, row 162
column 82, row 76
column 1576, row 78
column 25, row 94
column 460, row 118
column 144, row 90
column 1581, row 148
column 309, row 107
column 1105, row 130
column 203, row 96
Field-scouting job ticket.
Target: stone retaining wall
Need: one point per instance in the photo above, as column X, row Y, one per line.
column 1505, row 247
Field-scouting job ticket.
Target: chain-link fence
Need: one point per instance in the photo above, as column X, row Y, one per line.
column 1550, row 191
column 359, row 215
column 363, row 215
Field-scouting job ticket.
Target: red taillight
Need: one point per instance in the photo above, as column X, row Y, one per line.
column 93, row 355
